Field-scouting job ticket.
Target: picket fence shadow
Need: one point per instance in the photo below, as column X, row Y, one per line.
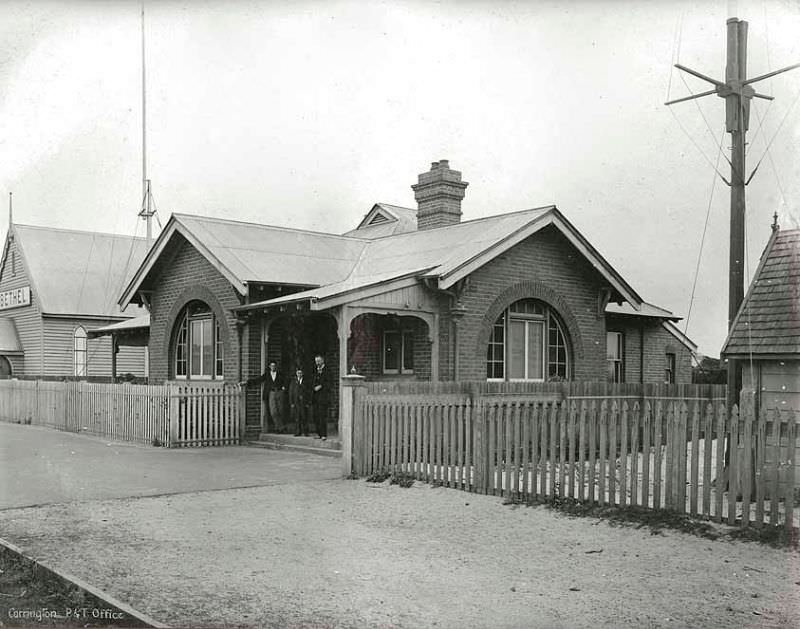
column 171, row 415
column 662, row 454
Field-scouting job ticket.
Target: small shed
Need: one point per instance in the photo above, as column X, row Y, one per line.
column 765, row 334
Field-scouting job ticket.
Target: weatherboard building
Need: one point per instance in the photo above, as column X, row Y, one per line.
column 407, row 294
column 56, row 286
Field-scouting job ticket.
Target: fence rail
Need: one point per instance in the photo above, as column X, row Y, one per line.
column 173, row 415
column 663, row 454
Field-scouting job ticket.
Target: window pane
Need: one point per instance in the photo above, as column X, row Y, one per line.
column 219, row 353
column 613, row 345
column 391, row 351
column 208, row 347
column 408, row 351
column 196, row 342
column 535, row 349
column 180, row 349
column 516, row 349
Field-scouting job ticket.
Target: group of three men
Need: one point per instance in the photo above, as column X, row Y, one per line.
column 309, row 398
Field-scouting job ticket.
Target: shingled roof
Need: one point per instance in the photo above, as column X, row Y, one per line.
column 768, row 322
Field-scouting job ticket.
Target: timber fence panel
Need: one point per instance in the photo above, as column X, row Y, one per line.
column 694, row 477
column 657, row 452
column 602, row 472
column 760, row 480
column 708, row 441
column 791, row 443
column 733, row 475
column 624, row 462
column 747, row 459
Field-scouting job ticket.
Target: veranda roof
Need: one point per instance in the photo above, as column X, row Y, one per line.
column 768, row 321
column 129, row 325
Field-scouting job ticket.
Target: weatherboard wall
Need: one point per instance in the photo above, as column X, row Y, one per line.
column 59, row 358
column 27, row 319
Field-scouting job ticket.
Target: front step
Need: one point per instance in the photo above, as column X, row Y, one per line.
column 329, row 447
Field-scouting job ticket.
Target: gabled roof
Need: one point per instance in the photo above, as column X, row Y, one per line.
column 447, row 254
column 385, row 220
column 78, row 272
column 768, row 321
column 250, row 252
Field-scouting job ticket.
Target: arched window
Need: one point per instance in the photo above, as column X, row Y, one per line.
column 527, row 342
column 197, row 349
column 79, row 351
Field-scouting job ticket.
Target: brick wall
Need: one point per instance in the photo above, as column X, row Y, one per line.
column 365, row 345
column 182, row 277
column 547, row 267
column 658, row 342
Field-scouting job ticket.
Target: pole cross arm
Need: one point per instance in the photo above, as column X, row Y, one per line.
column 769, row 74
column 699, row 75
column 692, row 97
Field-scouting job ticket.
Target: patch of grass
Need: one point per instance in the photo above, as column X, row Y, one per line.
column 378, row 477
column 403, row 479
column 659, row 520
column 29, row 596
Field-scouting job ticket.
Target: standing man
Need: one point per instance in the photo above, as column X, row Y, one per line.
column 272, row 394
column 320, row 396
column 300, row 402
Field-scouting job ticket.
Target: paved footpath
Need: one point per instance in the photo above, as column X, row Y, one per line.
column 43, row 466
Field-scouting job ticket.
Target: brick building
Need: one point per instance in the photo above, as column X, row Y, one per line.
column 56, row 286
column 406, row 294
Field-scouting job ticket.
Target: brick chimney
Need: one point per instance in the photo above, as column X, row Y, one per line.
column 439, row 193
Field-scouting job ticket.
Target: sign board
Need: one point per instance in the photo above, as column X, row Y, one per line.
column 15, row 298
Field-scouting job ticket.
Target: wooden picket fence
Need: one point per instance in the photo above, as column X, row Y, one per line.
column 173, row 415
column 663, row 454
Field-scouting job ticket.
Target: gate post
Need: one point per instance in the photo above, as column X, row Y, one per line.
column 352, row 422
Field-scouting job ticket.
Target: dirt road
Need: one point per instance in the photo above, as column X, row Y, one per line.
column 340, row 553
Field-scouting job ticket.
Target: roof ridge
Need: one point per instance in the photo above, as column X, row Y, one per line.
column 469, row 222
column 78, row 231
column 254, row 224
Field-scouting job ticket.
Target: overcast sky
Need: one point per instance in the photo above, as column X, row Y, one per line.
column 305, row 114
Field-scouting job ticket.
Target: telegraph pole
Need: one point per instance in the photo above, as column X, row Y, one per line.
column 737, row 92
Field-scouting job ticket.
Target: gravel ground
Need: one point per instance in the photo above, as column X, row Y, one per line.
column 337, row 553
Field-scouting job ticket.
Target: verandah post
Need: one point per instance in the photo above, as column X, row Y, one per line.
column 351, row 421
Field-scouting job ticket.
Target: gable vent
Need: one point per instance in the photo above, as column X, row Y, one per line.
column 377, row 219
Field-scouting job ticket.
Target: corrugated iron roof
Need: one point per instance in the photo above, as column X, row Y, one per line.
column 432, row 253
column 78, row 272
column 768, row 322
column 9, row 339
column 269, row 254
column 136, row 323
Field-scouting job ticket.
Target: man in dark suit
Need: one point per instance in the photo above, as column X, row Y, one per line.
column 300, row 402
column 320, row 396
column 272, row 393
